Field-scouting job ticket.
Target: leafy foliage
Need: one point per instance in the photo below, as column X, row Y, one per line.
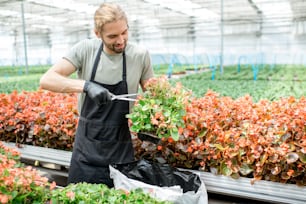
column 234, row 137
column 100, row 193
column 18, row 183
column 271, row 84
column 23, row 184
column 39, row 118
column 264, row 140
column 160, row 110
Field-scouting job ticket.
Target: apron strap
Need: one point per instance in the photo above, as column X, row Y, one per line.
column 124, row 67
column 97, row 59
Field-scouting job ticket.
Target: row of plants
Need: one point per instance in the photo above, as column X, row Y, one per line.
column 264, row 140
column 23, row 184
column 21, row 70
column 176, row 69
column 271, row 83
column 41, row 118
column 20, row 79
column 233, row 137
column 233, row 72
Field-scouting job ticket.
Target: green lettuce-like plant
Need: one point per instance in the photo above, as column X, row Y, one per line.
column 99, row 193
column 160, row 110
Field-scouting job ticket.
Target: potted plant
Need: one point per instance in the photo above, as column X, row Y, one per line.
column 159, row 111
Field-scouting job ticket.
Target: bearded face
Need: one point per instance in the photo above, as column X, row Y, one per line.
column 114, row 36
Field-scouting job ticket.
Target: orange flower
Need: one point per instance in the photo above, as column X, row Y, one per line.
column 190, row 149
column 180, row 130
column 170, row 140
column 290, row 172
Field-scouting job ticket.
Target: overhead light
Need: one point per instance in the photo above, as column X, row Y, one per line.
column 67, row 4
column 273, row 7
column 42, row 26
column 9, row 13
column 187, row 7
column 17, row 14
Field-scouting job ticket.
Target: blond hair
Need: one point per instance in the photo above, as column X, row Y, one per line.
column 108, row 13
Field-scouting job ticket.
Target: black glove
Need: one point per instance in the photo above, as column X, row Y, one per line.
column 97, row 93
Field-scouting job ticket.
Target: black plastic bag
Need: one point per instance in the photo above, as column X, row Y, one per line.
column 161, row 181
column 160, row 175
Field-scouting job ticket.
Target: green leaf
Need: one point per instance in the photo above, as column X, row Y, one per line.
column 182, row 157
column 14, row 194
column 245, row 169
column 145, row 108
column 219, row 146
column 235, row 176
column 148, row 126
column 167, row 113
column 302, row 157
column 225, row 170
column 203, row 132
column 174, row 134
column 6, row 173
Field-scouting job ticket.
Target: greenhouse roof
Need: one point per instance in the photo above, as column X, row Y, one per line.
column 43, row 30
column 149, row 17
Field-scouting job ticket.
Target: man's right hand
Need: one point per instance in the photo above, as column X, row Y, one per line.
column 97, row 93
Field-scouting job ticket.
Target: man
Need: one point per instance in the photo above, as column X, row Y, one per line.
column 105, row 65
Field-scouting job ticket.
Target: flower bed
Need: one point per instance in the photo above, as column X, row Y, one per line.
column 39, row 118
column 23, row 184
column 264, row 140
column 18, row 183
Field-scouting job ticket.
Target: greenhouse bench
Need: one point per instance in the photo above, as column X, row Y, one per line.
column 42, row 154
column 261, row 190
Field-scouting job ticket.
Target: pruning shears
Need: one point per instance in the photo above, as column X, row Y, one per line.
column 124, row 97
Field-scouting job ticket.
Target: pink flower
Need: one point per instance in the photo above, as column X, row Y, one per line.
column 52, row 185
column 4, row 198
column 70, row 195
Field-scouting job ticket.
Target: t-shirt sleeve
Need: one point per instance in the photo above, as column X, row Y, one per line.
column 147, row 70
column 76, row 54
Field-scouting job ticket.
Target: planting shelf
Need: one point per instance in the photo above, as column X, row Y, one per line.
column 43, row 154
column 261, row 190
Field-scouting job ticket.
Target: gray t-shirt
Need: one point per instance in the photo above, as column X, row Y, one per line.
column 109, row 71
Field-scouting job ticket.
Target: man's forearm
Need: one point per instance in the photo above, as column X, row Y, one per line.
column 53, row 81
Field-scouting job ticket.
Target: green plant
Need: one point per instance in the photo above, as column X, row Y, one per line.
column 83, row 193
column 20, row 184
column 160, row 110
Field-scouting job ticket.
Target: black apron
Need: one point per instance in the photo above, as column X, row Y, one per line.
column 102, row 136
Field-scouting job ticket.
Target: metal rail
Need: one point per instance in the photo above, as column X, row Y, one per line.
column 261, row 190
column 43, row 154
